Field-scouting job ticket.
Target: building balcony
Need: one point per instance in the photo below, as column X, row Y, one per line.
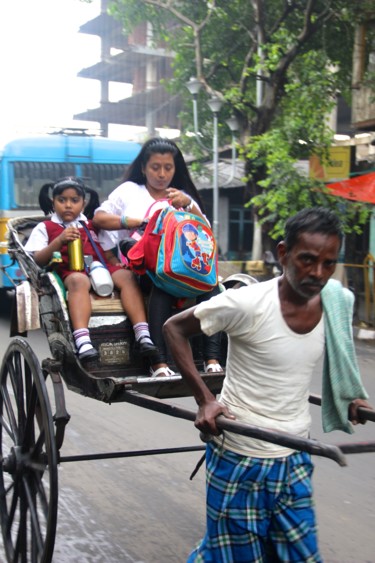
column 155, row 105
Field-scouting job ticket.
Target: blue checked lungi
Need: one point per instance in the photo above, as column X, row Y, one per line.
column 258, row 510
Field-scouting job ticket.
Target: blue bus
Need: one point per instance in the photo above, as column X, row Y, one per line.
column 28, row 163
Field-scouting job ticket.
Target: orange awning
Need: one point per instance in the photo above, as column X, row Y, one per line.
column 360, row 188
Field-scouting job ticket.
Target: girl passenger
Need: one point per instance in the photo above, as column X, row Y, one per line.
column 67, row 206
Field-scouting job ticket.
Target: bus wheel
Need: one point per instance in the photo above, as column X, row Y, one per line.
column 28, row 471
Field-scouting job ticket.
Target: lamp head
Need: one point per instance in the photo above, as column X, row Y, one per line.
column 233, row 124
column 215, row 104
column 194, row 85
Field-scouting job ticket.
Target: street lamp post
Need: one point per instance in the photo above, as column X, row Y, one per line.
column 194, row 86
column 233, row 125
column 215, row 105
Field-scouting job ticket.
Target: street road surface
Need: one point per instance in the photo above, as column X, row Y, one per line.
column 146, row 510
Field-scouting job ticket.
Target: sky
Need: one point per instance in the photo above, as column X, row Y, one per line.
column 41, row 53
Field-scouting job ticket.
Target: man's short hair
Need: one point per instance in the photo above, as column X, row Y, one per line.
column 312, row 220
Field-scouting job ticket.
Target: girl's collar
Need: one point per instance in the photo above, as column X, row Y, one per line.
column 56, row 219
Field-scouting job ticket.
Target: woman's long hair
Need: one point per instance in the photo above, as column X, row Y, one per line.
column 46, row 201
column 181, row 179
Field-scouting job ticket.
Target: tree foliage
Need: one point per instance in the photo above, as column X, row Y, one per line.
column 277, row 65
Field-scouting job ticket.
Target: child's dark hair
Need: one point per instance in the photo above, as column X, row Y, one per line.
column 181, row 179
column 312, row 220
column 46, row 202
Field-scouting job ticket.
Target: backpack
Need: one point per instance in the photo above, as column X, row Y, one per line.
column 179, row 253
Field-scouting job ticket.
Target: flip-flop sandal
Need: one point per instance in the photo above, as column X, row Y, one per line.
column 212, row 368
column 162, row 372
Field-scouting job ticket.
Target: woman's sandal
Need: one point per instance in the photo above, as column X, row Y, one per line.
column 212, row 368
column 164, row 371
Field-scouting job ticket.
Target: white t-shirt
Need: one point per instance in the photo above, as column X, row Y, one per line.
column 132, row 200
column 128, row 199
column 269, row 367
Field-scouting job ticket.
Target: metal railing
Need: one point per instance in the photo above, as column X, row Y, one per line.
column 366, row 310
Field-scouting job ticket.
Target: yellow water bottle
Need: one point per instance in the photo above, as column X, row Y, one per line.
column 75, row 255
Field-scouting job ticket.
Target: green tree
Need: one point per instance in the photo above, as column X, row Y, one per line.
column 278, row 66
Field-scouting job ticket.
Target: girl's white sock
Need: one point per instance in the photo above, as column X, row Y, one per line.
column 141, row 330
column 82, row 339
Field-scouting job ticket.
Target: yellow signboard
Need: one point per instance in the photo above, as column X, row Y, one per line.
column 338, row 167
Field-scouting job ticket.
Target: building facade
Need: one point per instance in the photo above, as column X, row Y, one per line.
column 134, row 61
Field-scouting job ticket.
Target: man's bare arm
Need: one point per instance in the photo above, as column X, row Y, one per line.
column 177, row 331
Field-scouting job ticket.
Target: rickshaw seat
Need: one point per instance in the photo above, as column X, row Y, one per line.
column 110, row 304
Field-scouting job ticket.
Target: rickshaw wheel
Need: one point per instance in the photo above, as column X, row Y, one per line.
column 28, row 455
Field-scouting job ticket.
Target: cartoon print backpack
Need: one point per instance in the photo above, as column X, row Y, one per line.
column 179, row 253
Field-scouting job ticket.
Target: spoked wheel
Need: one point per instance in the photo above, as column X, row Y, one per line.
column 28, row 469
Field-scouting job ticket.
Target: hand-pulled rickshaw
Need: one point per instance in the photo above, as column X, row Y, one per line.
column 31, row 435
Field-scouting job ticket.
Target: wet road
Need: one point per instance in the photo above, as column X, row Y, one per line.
column 147, row 510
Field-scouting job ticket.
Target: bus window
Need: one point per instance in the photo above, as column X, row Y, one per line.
column 103, row 178
column 29, row 177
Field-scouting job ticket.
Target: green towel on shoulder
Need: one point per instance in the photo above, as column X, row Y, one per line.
column 341, row 378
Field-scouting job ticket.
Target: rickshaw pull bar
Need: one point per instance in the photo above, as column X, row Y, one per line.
column 366, row 414
column 134, row 453
column 313, row 447
column 357, row 447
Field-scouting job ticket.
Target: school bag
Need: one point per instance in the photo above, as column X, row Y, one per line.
column 179, row 253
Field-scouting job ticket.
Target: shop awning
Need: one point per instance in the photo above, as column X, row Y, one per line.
column 359, row 188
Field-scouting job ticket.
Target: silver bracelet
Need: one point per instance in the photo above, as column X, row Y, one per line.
column 189, row 206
